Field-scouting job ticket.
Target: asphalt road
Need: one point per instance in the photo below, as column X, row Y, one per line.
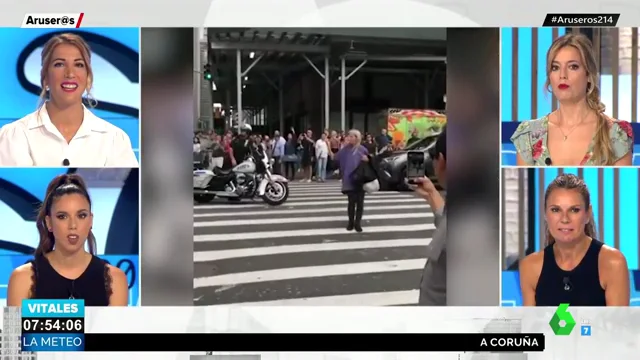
column 301, row 254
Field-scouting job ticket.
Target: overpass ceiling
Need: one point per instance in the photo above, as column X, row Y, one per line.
column 282, row 51
column 284, row 46
column 318, row 40
column 393, row 33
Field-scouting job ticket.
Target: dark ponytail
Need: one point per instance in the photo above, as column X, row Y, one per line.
column 61, row 185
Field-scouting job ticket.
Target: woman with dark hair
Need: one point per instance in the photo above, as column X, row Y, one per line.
column 574, row 268
column 290, row 157
column 62, row 268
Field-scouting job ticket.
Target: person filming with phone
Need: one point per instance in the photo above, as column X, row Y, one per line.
column 433, row 286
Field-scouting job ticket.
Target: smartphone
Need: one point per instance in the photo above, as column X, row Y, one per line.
column 415, row 166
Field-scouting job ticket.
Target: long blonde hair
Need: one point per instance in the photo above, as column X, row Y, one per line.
column 47, row 54
column 603, row 150
column 571, row 182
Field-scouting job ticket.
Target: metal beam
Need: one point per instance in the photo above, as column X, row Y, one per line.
column 239, row 88
column 257, row 60
column 213, row 30
column 261, row 46
column 422, row 58
column 343, row 69
column 285, row 69
column 355, row 70
column 385, row 70
column 343, row 94
column 281, row 105
column 327, row 97
column 270, row 82
column 313, row 65
column 365, row 40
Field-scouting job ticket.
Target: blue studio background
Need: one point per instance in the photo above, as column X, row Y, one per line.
column 115, row 200
column 528, row 77
column 628, row 205
column 115, row 63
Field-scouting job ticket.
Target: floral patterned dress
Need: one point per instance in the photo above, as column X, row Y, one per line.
column 530, row 140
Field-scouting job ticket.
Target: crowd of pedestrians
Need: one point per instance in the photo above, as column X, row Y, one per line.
column 297, row 156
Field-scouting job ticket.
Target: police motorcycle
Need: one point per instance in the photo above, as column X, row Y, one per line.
column 248, row 180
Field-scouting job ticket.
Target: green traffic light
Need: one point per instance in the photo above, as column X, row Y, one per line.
column 207, row 76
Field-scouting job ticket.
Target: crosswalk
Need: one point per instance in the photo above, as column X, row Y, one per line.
column 300, row 253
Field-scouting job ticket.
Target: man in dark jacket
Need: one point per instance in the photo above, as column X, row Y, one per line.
column 241, row 145
column 383, row 139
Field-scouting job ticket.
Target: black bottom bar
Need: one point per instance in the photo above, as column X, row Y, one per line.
column 315, row 342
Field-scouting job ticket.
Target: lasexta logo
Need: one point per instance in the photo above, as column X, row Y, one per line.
column 562, row 322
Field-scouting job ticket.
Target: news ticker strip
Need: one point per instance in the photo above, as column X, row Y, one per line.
column 581, row 20
column 230, row 342
column 52, row 325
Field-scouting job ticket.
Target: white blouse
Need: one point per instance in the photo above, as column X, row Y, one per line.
column 35, row 141
column 322, row 149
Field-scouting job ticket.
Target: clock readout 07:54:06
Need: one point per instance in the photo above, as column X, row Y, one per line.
column 52, row 325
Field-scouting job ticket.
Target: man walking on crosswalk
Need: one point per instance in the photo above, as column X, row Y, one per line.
column 433, row 287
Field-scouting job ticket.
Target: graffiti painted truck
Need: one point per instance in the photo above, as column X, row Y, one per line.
column 402, row 122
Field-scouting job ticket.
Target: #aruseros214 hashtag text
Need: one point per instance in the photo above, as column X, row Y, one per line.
column 584, row 20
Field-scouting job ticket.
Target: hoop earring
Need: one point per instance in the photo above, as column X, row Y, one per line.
column 91, row 101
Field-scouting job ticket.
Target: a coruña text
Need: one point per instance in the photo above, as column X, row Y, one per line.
column 514, row 343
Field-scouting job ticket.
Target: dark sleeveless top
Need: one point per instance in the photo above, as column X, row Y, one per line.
column 93, row 285
column 578, row 287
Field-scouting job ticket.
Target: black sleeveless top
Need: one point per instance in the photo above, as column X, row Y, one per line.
column 93, row 285
column 578, row 287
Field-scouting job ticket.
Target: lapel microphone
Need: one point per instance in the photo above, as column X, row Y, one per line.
column 72, row 291
column 567, row 284
column 547, row 161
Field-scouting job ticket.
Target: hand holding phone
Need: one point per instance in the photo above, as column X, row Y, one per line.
column 415, row 166
column 423, row 186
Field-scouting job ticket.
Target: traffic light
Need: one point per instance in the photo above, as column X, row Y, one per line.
column 207, row 72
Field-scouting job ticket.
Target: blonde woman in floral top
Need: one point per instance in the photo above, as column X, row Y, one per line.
column 578, row 133
column 532, row 143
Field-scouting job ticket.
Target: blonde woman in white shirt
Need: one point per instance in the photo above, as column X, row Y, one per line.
column 322, row 155
column 62, row 131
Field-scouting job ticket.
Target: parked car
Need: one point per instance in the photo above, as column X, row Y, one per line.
column 392, row 165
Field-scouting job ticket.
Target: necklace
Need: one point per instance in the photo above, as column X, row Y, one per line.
column 565, row 136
